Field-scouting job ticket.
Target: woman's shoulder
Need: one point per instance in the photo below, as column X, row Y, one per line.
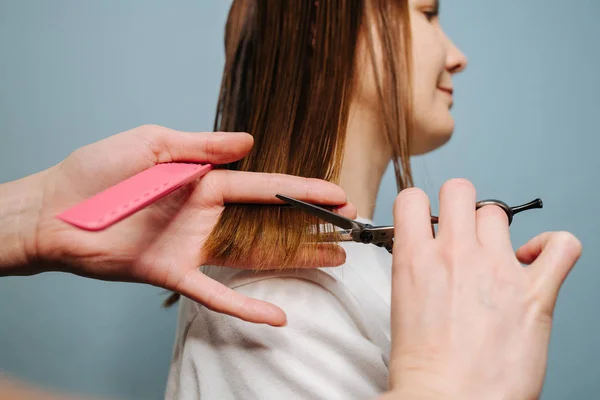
column 360, row 259
column 360, row 286
column 325, row 348
column 235, row 278
column 294, row 290
column 356, row 293
column 335, row 315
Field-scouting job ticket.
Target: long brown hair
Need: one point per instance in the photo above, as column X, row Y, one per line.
column 289, row 78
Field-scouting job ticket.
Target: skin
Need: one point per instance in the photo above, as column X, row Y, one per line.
column 435, row 61
column 468, row 321
column 163, row 241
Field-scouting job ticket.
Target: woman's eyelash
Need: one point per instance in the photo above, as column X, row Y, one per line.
column 431, row 14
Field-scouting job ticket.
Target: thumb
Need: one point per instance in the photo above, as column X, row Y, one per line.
column 170, row 145
column 551, row 256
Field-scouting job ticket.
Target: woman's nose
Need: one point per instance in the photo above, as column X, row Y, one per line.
column 456, row 60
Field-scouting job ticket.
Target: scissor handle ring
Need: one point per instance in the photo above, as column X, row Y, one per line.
column 498, row 203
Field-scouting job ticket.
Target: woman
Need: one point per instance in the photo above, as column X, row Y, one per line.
column 330, row 90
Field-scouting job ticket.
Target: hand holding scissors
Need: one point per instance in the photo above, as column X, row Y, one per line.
column 468, row 320
column 383, row 236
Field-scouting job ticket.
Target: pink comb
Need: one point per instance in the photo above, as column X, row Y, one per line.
column 131, row 195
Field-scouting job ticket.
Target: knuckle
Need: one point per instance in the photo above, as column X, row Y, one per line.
column 309, row 189
column 152, row 136
column 212, row 178
column 210, row 192
column 209, row 147
column 274, row 181
column 216, row 181
column 179, row 284
column 492, row 211
column 456, row 252
column 449, row 253
column 215, row 298
column 150, row 129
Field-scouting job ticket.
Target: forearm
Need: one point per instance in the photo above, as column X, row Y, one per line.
column 17, row 390
column 398, row 395
column 433, row 386
column 20, row 204
column 425, row 393
column 417, row 393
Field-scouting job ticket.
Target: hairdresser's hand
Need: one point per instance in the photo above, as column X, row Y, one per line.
column 468, row 320
column 161, row 244
column 13, row 389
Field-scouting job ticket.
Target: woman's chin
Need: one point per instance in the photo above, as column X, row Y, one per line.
column 435, row 138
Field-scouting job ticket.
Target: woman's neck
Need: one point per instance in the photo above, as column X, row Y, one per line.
column 366, row 157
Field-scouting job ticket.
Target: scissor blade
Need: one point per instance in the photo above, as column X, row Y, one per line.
column 322, row 213
column 339, row 236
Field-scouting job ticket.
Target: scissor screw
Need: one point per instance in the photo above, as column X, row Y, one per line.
column 366, row 236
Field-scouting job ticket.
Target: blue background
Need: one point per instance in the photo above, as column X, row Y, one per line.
column 73, row 72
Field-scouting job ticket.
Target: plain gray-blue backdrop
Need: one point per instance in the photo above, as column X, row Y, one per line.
column 73, row 72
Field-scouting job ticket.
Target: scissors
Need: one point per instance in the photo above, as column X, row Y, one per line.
column 383, row 236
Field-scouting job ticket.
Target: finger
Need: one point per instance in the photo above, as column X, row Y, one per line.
column 528, row 253
column 255, row 187
column 457, row 219
column 492, row 228
column 221, row 299
column 200, row 147
column 347, row 210
column 551, row 256
column 412, row 218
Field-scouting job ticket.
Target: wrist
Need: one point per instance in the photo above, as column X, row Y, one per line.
column 20, row 204
column 412, row 394
column 425, row 386
column 425, row 391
